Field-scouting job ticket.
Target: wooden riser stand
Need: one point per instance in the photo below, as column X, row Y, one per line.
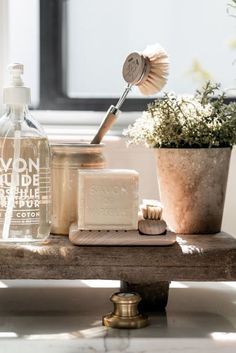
column 146, row 269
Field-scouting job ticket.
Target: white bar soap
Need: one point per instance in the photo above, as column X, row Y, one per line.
column 108, row 199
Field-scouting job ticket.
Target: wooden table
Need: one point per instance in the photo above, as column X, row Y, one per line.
column 146, row 269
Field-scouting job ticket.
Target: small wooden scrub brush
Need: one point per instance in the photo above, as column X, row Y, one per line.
column 151, row 209
column 151, row 224
column 148, row 71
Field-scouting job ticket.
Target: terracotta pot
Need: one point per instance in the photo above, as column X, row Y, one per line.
column 192, row 184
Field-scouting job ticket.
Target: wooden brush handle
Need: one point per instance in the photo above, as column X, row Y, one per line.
column 106, row 124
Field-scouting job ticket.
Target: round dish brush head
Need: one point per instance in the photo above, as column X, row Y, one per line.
column 148, row 70
column 159, row 70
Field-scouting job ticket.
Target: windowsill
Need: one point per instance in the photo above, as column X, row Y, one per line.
column 74, row 126
column 73, row 117
column 65, row 133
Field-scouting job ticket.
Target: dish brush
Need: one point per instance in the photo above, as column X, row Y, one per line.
column 148, row 71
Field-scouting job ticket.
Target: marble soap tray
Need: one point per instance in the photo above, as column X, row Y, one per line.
column 118, row 237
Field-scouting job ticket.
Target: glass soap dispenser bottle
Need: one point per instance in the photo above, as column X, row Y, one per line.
column 24, row 168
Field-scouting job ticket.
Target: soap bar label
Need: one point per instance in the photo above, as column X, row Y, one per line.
column 109, row 201
column 108, row 211
column 104, row 190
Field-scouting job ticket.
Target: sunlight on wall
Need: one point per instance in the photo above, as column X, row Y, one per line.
column 223, row 336
column 174, row 284
column 101, row 283
column 230, row 284
column 3, row 285
column 8, row 335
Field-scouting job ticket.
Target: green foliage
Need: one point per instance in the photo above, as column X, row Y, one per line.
column 232, row 3
column 231, row 7
column 202, row 120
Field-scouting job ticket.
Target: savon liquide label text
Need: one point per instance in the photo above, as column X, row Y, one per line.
column 26, row 185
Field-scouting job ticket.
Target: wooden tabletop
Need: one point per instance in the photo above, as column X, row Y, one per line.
column 192, row 258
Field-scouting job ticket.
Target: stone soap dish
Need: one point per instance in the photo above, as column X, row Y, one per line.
column 118, row 237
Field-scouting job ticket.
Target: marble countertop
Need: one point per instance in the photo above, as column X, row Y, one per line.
column 65, row 316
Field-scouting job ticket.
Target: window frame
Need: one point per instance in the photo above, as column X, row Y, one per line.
column 53, row 65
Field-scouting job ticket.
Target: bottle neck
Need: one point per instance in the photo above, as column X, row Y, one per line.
column 17, row 113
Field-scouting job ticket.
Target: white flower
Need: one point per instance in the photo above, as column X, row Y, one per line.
column 185, row 121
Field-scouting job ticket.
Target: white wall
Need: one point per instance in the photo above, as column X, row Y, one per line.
column 3, row 46
column 229, row 219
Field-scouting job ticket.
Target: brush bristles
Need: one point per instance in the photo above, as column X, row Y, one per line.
column 159, row 70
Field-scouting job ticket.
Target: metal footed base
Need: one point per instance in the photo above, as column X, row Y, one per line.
column 115, row 321
column 125, row 314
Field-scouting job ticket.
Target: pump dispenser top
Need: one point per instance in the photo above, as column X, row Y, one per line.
column 16, row 93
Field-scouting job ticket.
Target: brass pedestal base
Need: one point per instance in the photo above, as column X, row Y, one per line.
column 125, row 314
column 114, row 321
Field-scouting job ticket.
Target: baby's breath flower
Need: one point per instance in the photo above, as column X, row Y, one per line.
column 186, row 121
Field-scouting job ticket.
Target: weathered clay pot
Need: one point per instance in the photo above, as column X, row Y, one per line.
column 192, row 184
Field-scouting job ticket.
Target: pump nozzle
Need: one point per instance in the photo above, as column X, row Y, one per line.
column 16, row 70
column 16, row 93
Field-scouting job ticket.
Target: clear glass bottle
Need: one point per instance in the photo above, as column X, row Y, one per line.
column 25, row 193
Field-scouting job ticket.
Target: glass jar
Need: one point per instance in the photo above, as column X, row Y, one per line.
column 67, row 158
